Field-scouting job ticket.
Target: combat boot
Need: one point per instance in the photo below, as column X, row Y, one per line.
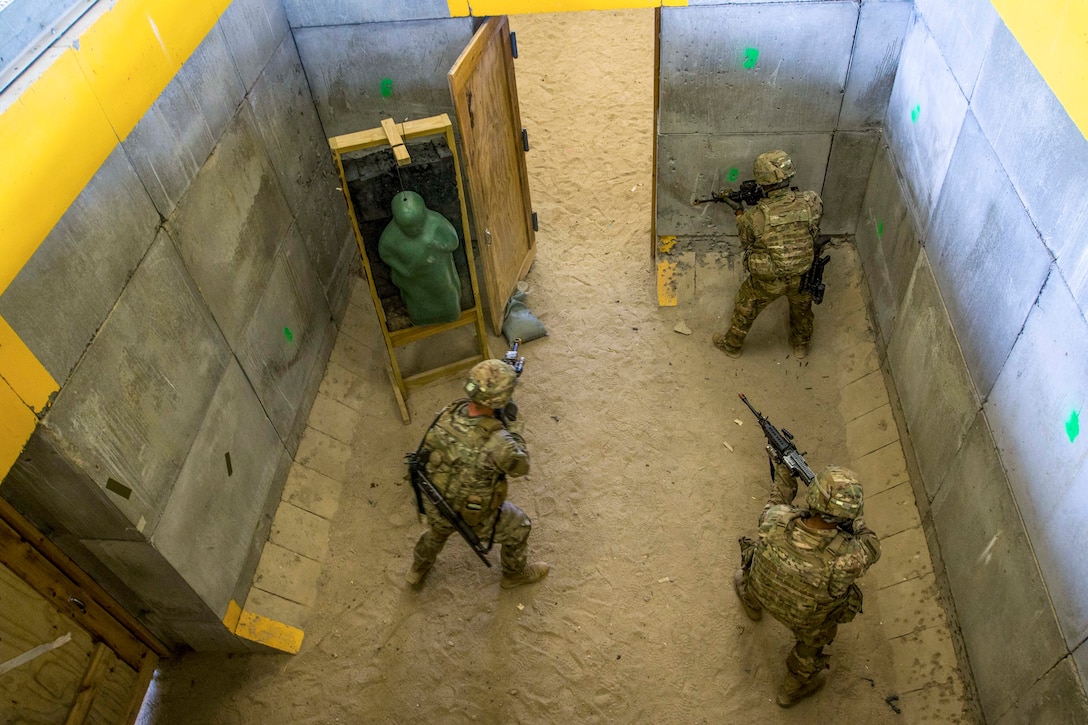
column 530, row 574
column 754, row 613
column 721, row 344
column 417, row 572
column 800, row 352
column 794, row 690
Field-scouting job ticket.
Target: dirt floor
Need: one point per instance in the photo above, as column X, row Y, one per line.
column 646, row 469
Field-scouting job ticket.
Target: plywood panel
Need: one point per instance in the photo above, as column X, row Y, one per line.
column 485, row 96
column 43, row 689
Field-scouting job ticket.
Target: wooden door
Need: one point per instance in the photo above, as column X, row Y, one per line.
column 486, row 101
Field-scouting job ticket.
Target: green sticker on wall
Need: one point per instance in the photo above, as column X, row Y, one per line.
column 288, row 334
column 387, row 87
column 751, row 57
column 915, row 113
column 1072, row 426
column 880, row 229
column 733, row 174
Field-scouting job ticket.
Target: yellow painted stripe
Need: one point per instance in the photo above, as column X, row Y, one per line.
column 27, row 377
column 233, row 615
column 55, row 138
column 1054, row 34
column 269, row 632
column 17, row 422
column 481, row 8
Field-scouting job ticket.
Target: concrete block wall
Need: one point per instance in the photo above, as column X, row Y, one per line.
column 974, row 238
column 738, row 79
column 187, row 303
column 368, row 60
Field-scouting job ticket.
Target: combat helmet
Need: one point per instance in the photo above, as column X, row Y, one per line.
column 836, row 492
column 773, row 167
column 491, row 383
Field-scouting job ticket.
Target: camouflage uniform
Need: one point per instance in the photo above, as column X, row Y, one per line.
column 804, row 576
column 469, row 460
column 777, row 235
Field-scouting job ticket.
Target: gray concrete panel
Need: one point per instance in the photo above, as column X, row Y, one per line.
column 338, row 293
column 692, row 166
column 925, row 113
column 994, row 577
column 880, row 33
column 1035, row 409
column 254, row 30
column 848, row 170
column 987, row 256
column 133, row 406
column 346, row 65
column 1057, row 698
column 230, row 225
column 60, row 498
column 151, row 578
column 935, row 390
column 169, row 145
column 288, row 125
column 962, row 30
column 754, row 68
column 176, row 135
column 887, row 241
column 64, row 292
column 1080, row 658
column 222, row 492
column 284, row 339
column 306, row 13
column 324, row 223
column 1042, row 150
column 213, row 82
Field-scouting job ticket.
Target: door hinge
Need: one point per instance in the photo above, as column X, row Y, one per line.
column 513, row 44
column 536, row 224
column 525, row 139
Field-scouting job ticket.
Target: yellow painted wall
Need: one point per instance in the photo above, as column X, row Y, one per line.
column 1054, row 34
column 56, row 134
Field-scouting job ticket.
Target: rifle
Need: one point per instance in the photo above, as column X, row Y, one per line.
column 812, row 281
column 421, row 484
column 511, row 357
column 509, row 413
column 750, row 192
column 783, row 450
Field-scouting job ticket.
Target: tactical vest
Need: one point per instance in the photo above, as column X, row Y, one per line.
column 785, row 248
column 790, row 583
column 459, row 465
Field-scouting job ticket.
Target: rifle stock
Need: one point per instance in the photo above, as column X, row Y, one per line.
column 423, row 485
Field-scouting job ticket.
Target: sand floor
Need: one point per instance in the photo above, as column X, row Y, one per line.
column 646, row 469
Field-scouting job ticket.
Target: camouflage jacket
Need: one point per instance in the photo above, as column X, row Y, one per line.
column 469, row 458
column 802, row 575
column 778, row 233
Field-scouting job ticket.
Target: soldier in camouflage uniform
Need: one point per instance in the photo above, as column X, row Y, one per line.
column 778, row 235
column 803, row 567
column 470, row 450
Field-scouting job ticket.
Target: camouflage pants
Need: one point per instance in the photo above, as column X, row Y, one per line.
column 753, row 297
column 807, row 658
column 511, row 532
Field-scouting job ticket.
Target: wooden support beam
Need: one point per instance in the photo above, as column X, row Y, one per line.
column 139, row 689
column 88, row 688
column 392, row 135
